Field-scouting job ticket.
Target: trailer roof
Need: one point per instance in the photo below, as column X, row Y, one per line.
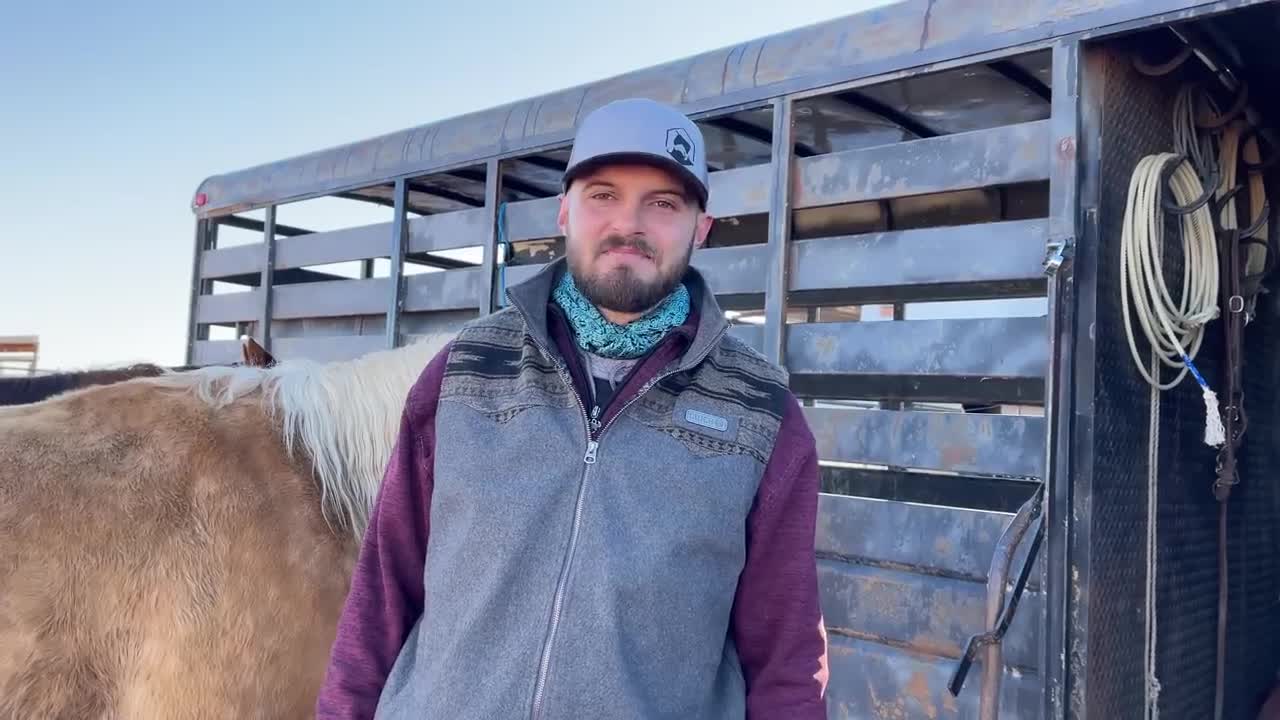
column 897, row 37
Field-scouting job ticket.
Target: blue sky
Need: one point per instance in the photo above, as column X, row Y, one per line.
column 111, row 115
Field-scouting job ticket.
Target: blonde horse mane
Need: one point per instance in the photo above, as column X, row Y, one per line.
column 345, row 415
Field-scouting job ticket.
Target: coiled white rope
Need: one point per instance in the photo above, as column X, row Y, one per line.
column 1174, row 331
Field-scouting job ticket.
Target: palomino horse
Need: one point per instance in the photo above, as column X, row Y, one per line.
column 181, row 546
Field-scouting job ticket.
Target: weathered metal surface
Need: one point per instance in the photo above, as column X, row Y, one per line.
column 744, row 191
column 533, row 219
column 999, row 156
column 446, row 290
column 328, row 349
column 926, row 614
column 869, row 680
column 987, row 348
column 928, row 539
column 447, row 231
column 878, row 41
column 399, row 243
column 968, row 443
column 322, row 248
column 781, row 201
column 489, row 262
column 228, row 307
column 332, row 299
column 214, row 352
column 995, row 252
column 266, row 279
column 1064, row 229
column 232, row 261
column 737, row 270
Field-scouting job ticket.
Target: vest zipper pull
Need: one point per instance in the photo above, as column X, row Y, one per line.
column 595, row 418
column 590, row 457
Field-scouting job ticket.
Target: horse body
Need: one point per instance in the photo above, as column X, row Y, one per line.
column 181, row 546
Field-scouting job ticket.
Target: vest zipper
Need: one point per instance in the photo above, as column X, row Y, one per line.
column 557, row 603
column 594, row 433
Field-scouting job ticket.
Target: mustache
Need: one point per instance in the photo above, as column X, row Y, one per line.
column 615, row 242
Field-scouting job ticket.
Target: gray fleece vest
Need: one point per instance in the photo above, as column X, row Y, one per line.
column 569, row 578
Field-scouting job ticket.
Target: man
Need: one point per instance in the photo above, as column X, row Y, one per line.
column 600, row 504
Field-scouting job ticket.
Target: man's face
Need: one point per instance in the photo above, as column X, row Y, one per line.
column 629, row 233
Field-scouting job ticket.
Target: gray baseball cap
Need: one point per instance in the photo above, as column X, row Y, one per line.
column 643, row 130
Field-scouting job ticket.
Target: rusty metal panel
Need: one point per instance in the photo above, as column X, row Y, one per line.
column 228, row 307
column 927, row 614
column 228, row 262
column 449, row 230
column 929, row 539
column 322, row 248
column 328, row 349
column 742, row 191
column 733, row 270
column 332, row 299
column 994, row 252
column 444, row 290
column 215, row 352
column 1003, row 155
column 533, row 219
column 988, row 347
column 967, row 443
column 869, row 680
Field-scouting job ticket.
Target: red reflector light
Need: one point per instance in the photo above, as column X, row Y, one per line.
column 201, row 199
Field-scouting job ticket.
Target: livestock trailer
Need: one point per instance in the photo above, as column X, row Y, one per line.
column 933, row 215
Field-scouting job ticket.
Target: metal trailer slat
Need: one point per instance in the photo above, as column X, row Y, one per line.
column 334, row 246
column 215, row 352
column 232, row 261
column 444, row 290
column 925, row 614
column 1000, row 252
column 955, row 542
column 332, row 299
column 869, row 680
column 229, row 307
column 966, row 443
column 985, row 347
column 328, row 349
column 964, row 161
column 449, row 230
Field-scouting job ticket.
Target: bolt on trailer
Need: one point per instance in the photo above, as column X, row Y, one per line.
column 924, row 212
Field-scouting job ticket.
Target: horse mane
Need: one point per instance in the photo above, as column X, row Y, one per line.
column 344, row 414
column 23, row 390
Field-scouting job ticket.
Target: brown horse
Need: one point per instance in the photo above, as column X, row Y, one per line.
column 29, row 389
column 34, row 388
column 180, row 546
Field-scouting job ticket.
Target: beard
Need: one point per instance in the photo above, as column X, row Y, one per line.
column 620, row 289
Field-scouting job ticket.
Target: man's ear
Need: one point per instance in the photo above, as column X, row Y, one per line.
column 562, row 218
column 705, row 222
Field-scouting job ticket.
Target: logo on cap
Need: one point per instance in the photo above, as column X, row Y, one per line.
column 680, row 146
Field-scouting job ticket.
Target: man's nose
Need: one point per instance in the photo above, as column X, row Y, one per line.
column 627, row 219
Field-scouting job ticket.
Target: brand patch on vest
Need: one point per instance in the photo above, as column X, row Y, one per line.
column 707, row 420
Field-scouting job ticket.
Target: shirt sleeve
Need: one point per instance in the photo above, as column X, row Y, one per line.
column 386, row 594
column 777, row 621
